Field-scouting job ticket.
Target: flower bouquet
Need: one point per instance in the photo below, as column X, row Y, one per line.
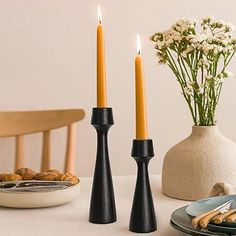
column 198, row 55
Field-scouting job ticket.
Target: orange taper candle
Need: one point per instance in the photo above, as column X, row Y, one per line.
column 141, row 116
column 101, row 67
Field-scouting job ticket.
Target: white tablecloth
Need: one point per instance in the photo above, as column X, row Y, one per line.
column 72, row 219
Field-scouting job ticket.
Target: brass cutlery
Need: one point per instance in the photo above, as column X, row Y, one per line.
column 217, row 215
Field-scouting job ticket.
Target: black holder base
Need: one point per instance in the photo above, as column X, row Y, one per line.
column 102, row 203
column 142, row 219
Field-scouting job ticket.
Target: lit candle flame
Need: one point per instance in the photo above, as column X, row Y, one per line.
column 99, row 15
column 138, row 44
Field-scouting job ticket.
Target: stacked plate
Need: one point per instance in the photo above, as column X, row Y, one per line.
column 181, row 218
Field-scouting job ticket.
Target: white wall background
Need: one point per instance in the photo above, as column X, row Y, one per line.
column 47, row 61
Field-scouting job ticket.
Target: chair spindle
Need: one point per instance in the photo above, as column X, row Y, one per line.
column 19, row 152
column 70, row 149
column 45, row 164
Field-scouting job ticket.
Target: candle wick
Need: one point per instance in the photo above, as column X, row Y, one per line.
column 99, row 21
column 139, row 51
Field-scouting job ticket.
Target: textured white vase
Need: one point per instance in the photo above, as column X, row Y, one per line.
column 192, row 166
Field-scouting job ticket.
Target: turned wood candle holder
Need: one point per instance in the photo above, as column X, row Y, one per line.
column 102, row 203
column 142, row 219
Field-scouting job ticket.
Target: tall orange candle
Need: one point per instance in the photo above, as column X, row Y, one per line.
column 141, row 115
column 101, row 67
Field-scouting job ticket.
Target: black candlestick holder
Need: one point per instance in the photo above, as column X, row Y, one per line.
column 142, row 219
column 102, row 203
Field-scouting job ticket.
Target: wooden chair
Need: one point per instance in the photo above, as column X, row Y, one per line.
column 19, row 124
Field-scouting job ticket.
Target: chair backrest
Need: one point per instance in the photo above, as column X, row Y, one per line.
column 20, row 123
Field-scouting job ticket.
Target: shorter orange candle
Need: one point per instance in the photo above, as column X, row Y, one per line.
column 141, row 116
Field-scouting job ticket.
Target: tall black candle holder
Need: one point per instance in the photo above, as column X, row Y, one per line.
column 142, row 219
column 102, row 203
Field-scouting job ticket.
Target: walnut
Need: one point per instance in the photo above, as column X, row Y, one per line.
column 69, row 177
column 12, row 177
column 50, row 176
column 65, row 177
column 3, row 177
column 26, row 173
column 54, row 171
column 74, row 180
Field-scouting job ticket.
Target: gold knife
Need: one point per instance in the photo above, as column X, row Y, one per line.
column 205, row 218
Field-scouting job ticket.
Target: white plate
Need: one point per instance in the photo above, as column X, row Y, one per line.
column 38, row 199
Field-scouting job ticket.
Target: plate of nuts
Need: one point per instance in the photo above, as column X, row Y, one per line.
column 27, row 189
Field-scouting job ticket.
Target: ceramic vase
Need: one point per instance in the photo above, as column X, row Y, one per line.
column 192, row 166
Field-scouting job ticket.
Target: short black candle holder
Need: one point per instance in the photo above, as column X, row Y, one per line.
column 102, row 203
column 142, row 219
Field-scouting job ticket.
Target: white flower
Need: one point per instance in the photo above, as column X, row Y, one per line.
column 177, row 37
column 184, row 54
column 206, row 48
column 210, row 39
column 161, row 61
column 160, row 45
column 201, row 37
column 229, row 27
column 219, row 78
column 228, row 74
column 217, row 49
column 208, row 19
column 228, row 49
column 229, row 34
column 183, row 25
column 201, row 88
column 203, row 63
column 178, row 28
column 223, row 36
column 199, row 46
column 188, row 50
column 168, row 34
column 161, row 57
column 188, row 89
column 156, row 37
column 208, row 77
column 224, row 42
column 169, row 42
column 191, row 38
column 220, row 24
